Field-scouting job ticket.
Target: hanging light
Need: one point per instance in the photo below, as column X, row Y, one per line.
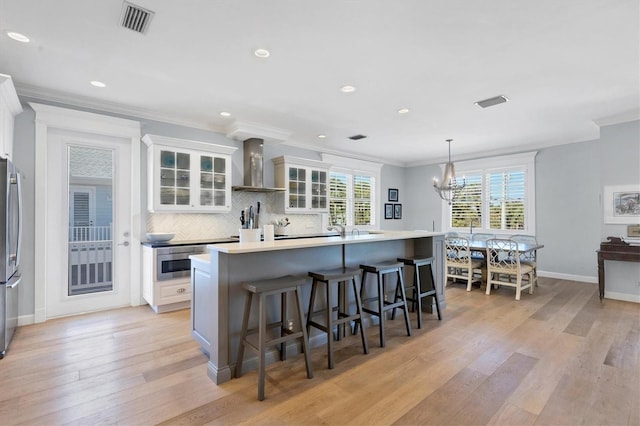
column 450, row 185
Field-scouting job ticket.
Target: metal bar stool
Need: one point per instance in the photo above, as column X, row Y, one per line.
column 418, row 287
column 341, row 276
column 382, row 269
column 277, row 286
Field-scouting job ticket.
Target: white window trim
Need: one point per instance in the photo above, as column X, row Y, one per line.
column 483, row 166
column 355, row 166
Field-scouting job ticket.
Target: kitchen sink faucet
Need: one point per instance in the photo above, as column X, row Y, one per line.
column 339, row 228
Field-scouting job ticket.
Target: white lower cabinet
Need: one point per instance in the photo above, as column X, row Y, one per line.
column 163, row 296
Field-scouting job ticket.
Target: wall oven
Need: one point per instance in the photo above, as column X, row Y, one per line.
column 173, row 262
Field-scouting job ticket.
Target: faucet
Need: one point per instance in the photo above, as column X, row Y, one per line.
column 356, row 231
column 339, row 228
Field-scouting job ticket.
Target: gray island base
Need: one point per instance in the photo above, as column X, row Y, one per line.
column 218, row 299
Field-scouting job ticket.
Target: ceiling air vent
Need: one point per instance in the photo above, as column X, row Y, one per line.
column 492, row 101
column 357, row 137
column 135, row 18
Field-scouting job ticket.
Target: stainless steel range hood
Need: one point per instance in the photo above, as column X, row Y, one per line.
column 253, row 168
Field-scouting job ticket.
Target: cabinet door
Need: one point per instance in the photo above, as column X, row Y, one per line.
column 297, row 188
column 175, row 178
column 319, row 189
column 213, row 188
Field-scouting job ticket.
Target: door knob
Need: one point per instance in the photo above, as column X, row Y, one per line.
column 126, row 244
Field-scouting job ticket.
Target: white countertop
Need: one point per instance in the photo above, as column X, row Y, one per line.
column 238, row 248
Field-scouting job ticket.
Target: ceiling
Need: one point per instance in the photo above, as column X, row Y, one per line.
column 566, row 67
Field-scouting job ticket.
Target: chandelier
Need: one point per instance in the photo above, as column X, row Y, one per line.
column 450, row 185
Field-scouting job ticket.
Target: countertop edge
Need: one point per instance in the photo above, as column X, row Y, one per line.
column 263, row 246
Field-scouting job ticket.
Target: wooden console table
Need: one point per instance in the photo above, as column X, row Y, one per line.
column 618, row 250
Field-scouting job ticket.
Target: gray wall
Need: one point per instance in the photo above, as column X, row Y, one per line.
column 569, row 183
column 568, row 208
column 426, row 205
column 569, row 212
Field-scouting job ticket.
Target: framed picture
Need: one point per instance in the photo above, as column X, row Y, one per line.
column 397, row 211
column 393, row 194
column 622, row 204
column 388, row 211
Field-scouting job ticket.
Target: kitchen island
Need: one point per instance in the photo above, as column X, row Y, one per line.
column 218, row 299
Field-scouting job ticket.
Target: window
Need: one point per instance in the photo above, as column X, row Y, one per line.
column 351, row 199
column 352, row 191
column 498, row 197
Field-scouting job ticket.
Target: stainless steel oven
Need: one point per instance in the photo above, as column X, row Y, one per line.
column 173, row 262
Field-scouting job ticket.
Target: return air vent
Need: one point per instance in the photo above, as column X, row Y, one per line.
column 357, row 137
column 135, row 18
column 492, row 101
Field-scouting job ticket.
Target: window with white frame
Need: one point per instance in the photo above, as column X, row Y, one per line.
column 352, row 191
column 498, row 198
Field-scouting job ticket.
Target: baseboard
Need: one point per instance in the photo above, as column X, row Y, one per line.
column 26, row 320
column 568, row 277
column 622, row 296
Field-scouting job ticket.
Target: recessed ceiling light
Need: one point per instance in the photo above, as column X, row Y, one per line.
column 262, row 53
column 97, row 83
column 321, row 136
column 403, row 110
column 225, row 114
column 18, row 37
column 347, row 89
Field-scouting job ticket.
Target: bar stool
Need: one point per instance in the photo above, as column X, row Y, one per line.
column 277, row 286
column 341, row 276
column 382, row 269
column 417, row 287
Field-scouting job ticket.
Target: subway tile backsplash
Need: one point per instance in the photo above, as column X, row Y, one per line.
column 198, row 226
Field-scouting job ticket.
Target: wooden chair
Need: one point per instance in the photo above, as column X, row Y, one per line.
column 459, row 263
column 503, row 262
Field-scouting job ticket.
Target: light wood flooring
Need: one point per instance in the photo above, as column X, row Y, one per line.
column 557, row 357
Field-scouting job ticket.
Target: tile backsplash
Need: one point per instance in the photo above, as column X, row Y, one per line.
column 199, row 226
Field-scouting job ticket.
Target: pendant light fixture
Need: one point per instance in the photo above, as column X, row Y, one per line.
column 450, row 185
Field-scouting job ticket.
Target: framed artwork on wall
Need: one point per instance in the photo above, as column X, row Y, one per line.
column 397, row 211
column 393, row 194
column 622, row 204
column 388, row 211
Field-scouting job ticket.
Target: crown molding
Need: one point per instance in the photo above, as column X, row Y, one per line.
column 95, row 105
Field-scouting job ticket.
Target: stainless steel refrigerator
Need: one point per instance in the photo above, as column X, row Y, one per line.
column 10, row 245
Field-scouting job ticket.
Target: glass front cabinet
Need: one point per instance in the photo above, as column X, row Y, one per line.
column 306, row 184
column 187, row 176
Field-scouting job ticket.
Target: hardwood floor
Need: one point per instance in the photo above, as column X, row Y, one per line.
column 557, row 357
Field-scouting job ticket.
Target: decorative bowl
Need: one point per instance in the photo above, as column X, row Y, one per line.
column 159, row 237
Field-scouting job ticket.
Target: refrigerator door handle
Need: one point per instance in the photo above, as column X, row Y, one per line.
column 19, row 236
column 15, row 284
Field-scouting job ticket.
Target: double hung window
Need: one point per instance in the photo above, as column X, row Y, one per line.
column 499, row 196
column 352, row 192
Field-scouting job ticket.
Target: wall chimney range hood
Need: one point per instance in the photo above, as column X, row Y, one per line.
column 253, row 160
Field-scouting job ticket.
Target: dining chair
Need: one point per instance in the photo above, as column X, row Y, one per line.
column 459, row 263
column 503, row 260
column 480, row 237
column 530, row 257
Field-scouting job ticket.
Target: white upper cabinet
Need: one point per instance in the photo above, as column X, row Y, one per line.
column 306, row 184
column 187, row 176
column 9, row 108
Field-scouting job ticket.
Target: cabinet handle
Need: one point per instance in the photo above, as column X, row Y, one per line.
column 180, row 290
